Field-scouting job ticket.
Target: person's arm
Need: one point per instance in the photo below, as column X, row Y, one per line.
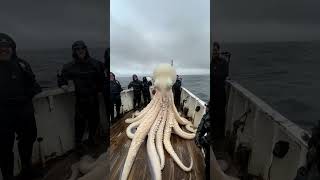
column 35, row 87
column 120, row 88
column 62, row 77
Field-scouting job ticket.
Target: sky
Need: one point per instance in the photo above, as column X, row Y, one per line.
column 145, row 33
column 36, row 24
column 266, row 20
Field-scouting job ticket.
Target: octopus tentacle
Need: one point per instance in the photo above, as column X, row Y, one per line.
column 177, row 130
column 133, row 125
column 153, row 101
column 191, row 128
column 159, row 140
column 152, row 152
column 144, row 111
column 168, row 146
column 139, row 137
column 181, row 120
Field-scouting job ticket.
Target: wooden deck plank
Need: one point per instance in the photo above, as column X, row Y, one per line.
column 185, row 149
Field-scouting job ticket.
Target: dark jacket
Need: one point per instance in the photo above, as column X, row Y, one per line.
column 204, row 127
column 115, row 89
column 17, row 81
column 177, row 87
column 88, row 77
column 146, row 86
column 220, row 71
column 137, row 86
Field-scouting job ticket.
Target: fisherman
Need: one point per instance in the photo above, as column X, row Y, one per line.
column 146, row 90
column 203, row 140
column 87, row 75
column 18, row 87
column 220, row 73
column 176, row 89
column 136, row 84
column 115, row 90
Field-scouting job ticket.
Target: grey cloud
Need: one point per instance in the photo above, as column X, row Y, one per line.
column 177, row 30
column 266, row 20
column 52, row 24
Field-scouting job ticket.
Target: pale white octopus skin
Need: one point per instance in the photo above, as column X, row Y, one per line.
column 157, row 121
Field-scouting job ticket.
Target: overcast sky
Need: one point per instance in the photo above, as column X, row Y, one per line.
column 145, row 33
column 54, row 23
column 266, row 20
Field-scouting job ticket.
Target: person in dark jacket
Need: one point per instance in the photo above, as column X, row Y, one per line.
column 136, row 84
column 220, row 73
column 146, row 90
column 203, row 138
column 87, row 75
column 115, row 90
column 17, row 88
column 176, row 89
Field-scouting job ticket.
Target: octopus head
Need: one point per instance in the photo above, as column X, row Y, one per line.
column 164, row 77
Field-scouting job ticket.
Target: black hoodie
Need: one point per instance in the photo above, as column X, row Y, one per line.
column 17, row 81
column 88, row 76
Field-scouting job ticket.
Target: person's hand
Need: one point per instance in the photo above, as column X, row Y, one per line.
column 65, row 88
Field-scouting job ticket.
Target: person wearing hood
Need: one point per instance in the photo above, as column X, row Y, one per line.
column 176, row 89
column 136, row 84
column 88, row 76
column 146, row 90
column 219, row 67
column 18, row 86
column 115, row 90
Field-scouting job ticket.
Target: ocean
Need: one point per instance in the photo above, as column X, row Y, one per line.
column 199, row 85
column 283, row 74
column 46, row 63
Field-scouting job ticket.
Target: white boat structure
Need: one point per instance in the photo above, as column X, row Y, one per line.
column 262, row 129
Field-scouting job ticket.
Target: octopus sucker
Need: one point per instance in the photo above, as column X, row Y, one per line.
column 155, row 123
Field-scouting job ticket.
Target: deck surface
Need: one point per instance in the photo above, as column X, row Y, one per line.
column 60, row 168
column 119, row 147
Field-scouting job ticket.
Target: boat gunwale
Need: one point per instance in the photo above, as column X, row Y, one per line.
column 292, row 128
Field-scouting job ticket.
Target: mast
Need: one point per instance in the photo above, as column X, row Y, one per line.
column 172, row 62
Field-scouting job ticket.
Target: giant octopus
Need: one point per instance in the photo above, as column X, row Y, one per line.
column 155, row 123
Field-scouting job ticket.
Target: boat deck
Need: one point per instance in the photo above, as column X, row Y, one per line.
column 60, row 167
column 120, row 144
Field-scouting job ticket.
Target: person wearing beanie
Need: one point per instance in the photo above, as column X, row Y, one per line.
column 115, row 97
column 136, row 84
column 18, row 86
column 87, row 75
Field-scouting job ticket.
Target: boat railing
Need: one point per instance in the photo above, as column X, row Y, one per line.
column 262, row 128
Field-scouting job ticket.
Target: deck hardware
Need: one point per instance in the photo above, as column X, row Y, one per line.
column 305, row 137
column 280, row 149
column 197, row 109
column 311, row 169
column 240, row 123
column 185, row 111
column 50, row 102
